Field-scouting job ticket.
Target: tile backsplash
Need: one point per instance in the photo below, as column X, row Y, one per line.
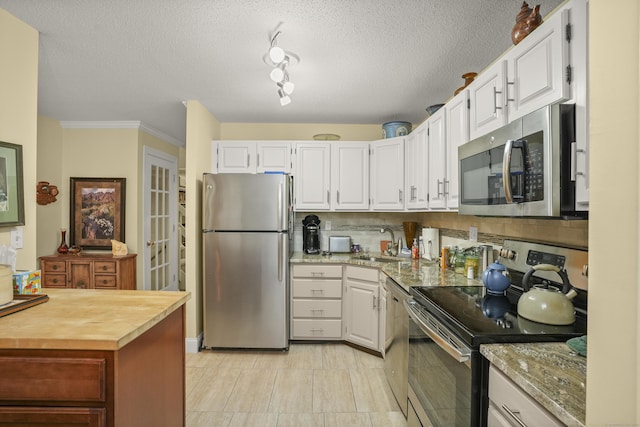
column 364, row 228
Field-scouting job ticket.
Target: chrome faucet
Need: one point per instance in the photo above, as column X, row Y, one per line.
column 390, row 248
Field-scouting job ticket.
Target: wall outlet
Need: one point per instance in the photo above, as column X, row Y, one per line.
column 327, row 225
column 473, row 234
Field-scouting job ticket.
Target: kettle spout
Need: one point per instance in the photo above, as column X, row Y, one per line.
column 571, row 294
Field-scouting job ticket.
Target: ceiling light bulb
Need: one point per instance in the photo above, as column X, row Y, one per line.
column 276, row 54
column 284, row 99
column 277, row 74
column 288, row 87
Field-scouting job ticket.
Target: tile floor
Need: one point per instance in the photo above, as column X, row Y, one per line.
column 327, row 384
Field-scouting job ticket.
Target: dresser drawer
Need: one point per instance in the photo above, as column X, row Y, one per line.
column 52, row 379
column 54, row 280
column 317, row 308
column 55, row 267
column 317, row 271
column 104, row 267
column 311, row 288
column 105, row 281
column 307, row 328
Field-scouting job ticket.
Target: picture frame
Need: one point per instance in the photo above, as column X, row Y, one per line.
column 97, row 213
column 11, row 185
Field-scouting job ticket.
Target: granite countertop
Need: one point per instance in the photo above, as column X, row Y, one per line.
column 405, row 271
column 87, row 319
column 551, row 373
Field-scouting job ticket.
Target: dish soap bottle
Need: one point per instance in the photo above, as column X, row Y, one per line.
column 415, row 250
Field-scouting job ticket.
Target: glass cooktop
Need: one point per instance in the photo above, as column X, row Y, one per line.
column 478, row 317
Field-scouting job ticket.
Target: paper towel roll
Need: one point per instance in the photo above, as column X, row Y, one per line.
column 431, row 241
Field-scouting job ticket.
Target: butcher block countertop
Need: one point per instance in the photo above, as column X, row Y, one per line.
column 87, row 319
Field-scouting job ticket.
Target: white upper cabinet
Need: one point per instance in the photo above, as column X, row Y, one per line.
column 332, row 176
column 273, row 156
column 235, row 157
column 536, row 72
column 416, row 168
column 437, row 160
column 457, row 125
column 387, row 174
column 350, row 176
column 537, row 68
column 486, row 92
column 312, row 178
column 251, row 156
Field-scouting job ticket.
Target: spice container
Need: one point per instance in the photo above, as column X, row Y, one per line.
column 459, row 264
column 444, row 258
column 471, row 263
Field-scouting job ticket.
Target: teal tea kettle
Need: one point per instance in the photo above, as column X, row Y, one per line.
column 496, row 278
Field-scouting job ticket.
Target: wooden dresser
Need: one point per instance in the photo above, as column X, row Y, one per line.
column 89, row 271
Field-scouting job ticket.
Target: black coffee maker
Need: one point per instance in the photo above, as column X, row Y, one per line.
column 311, row 234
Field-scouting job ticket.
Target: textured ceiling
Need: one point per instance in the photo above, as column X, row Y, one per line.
column 361, row 61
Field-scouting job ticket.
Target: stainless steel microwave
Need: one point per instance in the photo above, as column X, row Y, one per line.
column 524, row 169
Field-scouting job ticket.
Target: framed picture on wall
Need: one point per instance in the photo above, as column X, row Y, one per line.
column 97, row 212
column 11, row 185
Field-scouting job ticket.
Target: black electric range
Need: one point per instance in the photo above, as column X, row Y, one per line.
column 447, row 325
column 478, row 317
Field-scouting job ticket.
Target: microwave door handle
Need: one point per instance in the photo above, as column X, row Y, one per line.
column 506, row 171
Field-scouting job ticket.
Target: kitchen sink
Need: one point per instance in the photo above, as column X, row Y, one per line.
column 378, row 259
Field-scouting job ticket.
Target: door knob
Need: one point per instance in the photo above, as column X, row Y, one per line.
column 151, row 242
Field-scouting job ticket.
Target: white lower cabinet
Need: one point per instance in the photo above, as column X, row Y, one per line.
column 361, row 306
column 509, row 405
column 316, row 302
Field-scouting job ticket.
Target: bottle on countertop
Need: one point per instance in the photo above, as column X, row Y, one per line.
column 415, row 250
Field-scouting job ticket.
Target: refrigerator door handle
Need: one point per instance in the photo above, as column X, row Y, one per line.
column 280, row 257
column 280, row 205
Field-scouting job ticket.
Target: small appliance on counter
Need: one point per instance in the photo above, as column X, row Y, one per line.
column 311, row 234
column 339, row 244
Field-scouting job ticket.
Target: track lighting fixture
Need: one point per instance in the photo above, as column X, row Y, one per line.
column 280, row 59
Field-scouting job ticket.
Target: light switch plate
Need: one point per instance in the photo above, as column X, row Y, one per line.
column 327, row 225
column 473, row 234
column 17, row 239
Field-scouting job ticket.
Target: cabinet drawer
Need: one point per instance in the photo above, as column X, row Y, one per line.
column 360, row 273
column 52, row 379
column 52, row 416
column 55, row 267
column 503, row 393
column 317, row 271
column 104, row 267
column 310, row 288
column 317, row 308
column 54, row 280
column 307, row 328
column 105, row 281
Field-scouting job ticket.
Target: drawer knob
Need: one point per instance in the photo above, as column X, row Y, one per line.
column 55, row 267
column 104, row 267
column 105, row 281
column 55, row 280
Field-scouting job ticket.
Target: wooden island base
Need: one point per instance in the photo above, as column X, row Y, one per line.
column 140, row 384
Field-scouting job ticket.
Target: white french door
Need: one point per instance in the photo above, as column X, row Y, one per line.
column 160, row 221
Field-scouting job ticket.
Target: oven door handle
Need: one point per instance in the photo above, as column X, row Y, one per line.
column 443, row 342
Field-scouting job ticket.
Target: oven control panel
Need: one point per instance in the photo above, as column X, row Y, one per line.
column 537, row 257
column 521, row 256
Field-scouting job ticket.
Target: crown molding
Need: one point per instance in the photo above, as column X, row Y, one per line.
column 121, row 124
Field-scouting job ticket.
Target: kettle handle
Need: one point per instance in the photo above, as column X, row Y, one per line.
column 566, row 286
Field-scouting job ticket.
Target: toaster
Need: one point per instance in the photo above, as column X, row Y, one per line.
column 339, row 244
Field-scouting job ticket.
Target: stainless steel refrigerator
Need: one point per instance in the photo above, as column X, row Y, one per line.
column 247, row 229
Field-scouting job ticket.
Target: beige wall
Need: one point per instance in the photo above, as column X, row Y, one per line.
column 297, row 131
column 613, row 377
column 202, row 128
column 18, row 119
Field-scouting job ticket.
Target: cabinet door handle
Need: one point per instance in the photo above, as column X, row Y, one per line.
column 400, row 196
column 514, row 415
column 328, row 197
column 440, row 193
column 258, row 160
column 495, row 101
column 374, row 302
column 248, row 157
column 338, row 196
column 446, row 187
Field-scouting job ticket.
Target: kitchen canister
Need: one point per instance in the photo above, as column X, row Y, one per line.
column 6, row 284
column 393, row 129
